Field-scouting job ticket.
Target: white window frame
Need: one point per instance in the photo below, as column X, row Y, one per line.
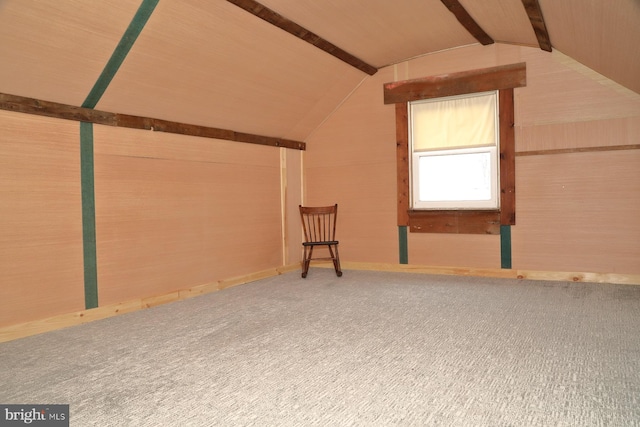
column 493, row 202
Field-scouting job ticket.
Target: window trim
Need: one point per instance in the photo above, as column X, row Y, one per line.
column 492, row 149
column 502, row 78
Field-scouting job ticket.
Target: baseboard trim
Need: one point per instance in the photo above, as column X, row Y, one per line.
column 34, row 327
column 561, row 276
column 21, row 330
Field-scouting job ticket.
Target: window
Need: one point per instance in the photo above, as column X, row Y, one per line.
column 454, row 152
column 457, row 207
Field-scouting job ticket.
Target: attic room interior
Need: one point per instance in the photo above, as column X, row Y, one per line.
column 154, row 155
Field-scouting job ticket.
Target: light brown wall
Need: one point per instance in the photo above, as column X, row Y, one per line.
column 40, row 218
column 578, row 212
column 172, row 212
column 575, row 211
column 350, row 160
column 175, row 212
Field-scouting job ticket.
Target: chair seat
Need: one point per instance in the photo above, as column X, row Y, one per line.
column 330, row 242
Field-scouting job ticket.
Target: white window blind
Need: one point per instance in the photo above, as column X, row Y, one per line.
column 454, row 145
column 454, row 122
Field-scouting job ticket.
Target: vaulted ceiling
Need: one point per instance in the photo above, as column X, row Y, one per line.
column 219, row 63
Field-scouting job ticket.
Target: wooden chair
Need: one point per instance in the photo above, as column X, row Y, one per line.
column 320, row 230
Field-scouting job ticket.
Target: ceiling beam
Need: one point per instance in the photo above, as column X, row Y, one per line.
column 302, row 33
column 21, row 104
column 467, row 21
column 537, row 22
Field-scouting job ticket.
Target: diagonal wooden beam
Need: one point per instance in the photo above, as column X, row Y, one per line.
column 302, row 33
column 467, row 21
column 21, row 104
column 537, row 22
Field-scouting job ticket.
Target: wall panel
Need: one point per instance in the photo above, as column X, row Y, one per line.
column 41, row 266
column 219, row 79
column 560, row 90
column 351, row 159
column 293, row 198
column 578, row 212
column 583, row 134
column 454, row 250
column 55, row 50
column 366, row 226
column 173, row 212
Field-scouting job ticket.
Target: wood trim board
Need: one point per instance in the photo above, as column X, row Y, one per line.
column 38, row 107
column 13, row 332
column 482, row 80
column 507, row 158
column 454, row 221
column 577, row 150
column 402, row 161
column 522, row 274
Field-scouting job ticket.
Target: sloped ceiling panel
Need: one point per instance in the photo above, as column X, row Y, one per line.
column 380, row 32
column 55, row 49
column 506, row 21
column 213, row 64
column 561, row 90
column 602, row 34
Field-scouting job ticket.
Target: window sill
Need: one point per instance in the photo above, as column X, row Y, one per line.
column 455, row 221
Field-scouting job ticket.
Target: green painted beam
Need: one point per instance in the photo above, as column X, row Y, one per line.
column 88, row 216
column 505, row 246
column 86, row 150
column 120, row 53
column 403, row 244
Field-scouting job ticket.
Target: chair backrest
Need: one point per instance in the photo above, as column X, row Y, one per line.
column 319, row 223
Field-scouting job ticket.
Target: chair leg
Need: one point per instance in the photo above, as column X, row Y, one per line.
column 335, row 257
column 308, row 251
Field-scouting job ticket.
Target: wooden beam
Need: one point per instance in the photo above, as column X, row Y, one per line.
column 507, row 158
column 455, row 221
column 495, row 78
column 402, row 162
column 578, row 150
column 537, row 22
column 467, row 21
column 302, row 33
column 38, row 107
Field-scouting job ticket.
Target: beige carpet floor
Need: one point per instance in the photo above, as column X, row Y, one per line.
column 366, row 349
